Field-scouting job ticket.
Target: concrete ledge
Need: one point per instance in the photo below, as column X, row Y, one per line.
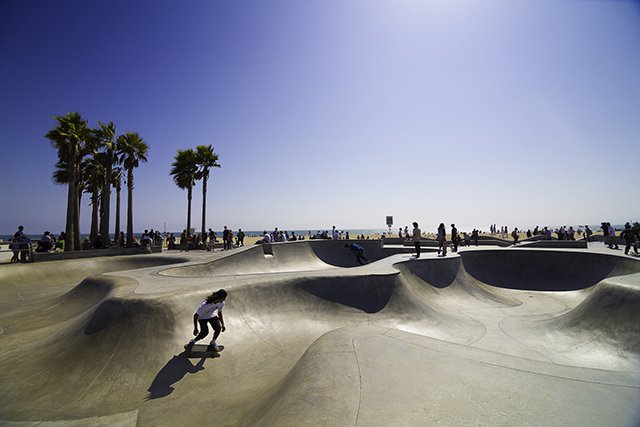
column 91, row 253
column 580, row 244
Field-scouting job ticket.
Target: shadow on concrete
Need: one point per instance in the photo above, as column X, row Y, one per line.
column 171, row 373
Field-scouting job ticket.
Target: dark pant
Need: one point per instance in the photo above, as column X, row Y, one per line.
column 204, row 329
column 417, row 245
column 361, row 258
column 629, row 245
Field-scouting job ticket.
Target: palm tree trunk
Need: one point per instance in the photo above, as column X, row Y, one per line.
column 130, row 207
column 96, row 208
column 76, row 224
column 104, row 213
column 69, row 229
column 189, row 194
column 204, row 205
column 117, row 231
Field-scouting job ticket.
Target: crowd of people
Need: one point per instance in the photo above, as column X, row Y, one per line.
column 22, row 246
column 205, row 241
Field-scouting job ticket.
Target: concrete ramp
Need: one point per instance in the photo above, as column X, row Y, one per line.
column 430, row 341
column 306, row 255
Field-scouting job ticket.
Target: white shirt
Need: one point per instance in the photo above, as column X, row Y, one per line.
column 207, row 311
column 416, row 234
column 266, row 238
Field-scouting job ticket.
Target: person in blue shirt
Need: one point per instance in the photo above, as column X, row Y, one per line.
column 358, row 252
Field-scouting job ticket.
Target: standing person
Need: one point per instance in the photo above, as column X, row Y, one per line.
column 454, row 237
column 212, row 240
column 629, row 239
column 240, row 237
column 612, row 236
column 22, row 243
column 474, row 236
column 417, row 234
column 335, row 235
column 358, row 252
column 587, row 233
column 442, row 240
column 635, row 229
column 183, row 241
column 605, row 234
column 266, row 238
column 400, row 232
column 230, row 239
column 209, row 312
column 15, row 248
column 225, row 235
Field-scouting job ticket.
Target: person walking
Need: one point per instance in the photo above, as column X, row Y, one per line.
column 417, row 234
column 209, row 312
column 629, row 239
column 587, row 233
column 442, row 240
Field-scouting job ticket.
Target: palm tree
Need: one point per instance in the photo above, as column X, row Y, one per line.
column 93, row 179
column 133, row 151
column 116, row 182
column 107, row 158
column 206, row 159
column 69, row 138
column 184, row 170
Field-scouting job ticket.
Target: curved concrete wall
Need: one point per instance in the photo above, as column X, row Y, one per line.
column 544, row 270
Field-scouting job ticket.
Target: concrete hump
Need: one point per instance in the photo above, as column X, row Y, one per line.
column 440, row 272
column 542, row 270
column 306, row 255
column 601, row 332
column 369, row 294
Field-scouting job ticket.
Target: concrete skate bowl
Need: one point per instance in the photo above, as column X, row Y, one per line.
column 424, row 342
column 20, row 283
column 544, row 270
column 307, row 255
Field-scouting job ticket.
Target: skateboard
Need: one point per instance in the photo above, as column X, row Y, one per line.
column 200, row 350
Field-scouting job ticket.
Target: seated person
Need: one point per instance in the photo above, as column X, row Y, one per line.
column 46, row 243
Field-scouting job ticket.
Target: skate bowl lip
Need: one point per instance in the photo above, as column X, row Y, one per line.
column 285, row 257
column 531, row 269
column 545, row 269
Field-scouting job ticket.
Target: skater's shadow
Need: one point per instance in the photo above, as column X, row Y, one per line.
column 171, row 373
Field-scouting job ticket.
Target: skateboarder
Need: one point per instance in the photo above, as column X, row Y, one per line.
column 209, row 312
column 358, row 251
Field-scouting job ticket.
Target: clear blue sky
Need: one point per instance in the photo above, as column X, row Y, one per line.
column 334, row 112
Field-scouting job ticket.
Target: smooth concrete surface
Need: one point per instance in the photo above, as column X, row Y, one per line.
column 488, row 336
